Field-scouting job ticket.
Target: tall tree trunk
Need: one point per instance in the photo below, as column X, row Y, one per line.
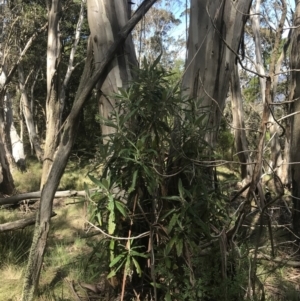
column 276, row 162
column 106, row 18
column 6, row 160
column 4, row 127
column 241, row 143
column 53, row 106
column 6, row 180
column 295, row 137
column 214, row 37
column 88, row 82
column 26, row 109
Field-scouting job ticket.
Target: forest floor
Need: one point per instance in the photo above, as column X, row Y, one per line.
column 66, row 268
column 69, row 272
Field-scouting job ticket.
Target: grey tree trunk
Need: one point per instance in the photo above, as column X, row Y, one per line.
column 53, row 106
column 26, row 109
column 88, row 82
column 241, row 143
column 15, row 141
column 295, row 136
column 214, row 37
column 6, row 160
column 6, row 180
column 106, row 18
column 276, row 162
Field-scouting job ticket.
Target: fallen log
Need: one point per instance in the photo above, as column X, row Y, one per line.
column 283, row 261
column 11, row 200
column 19, row 224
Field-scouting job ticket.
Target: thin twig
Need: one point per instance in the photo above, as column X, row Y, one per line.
column 116, row 237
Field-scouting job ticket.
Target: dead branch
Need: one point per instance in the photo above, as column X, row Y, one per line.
column 37, row 194
column 19, row 224
column 283, row 261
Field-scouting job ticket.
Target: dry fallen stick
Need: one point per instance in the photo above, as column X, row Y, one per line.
column 19, row 224
column 37, row 194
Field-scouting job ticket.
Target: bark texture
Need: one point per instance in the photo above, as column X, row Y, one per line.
column 53, row 106
column 106, row 18
column 6, row 160
column 276, row 163
column 6, row 180
column 295, row 137
column 214, row 37
column 26, row 108
column 240, row 139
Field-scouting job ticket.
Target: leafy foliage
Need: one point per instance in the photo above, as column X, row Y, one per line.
column 155, row 187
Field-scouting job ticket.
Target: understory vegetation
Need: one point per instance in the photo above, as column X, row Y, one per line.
column 156, row 227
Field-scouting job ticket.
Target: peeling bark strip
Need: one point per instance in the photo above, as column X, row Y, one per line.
column 37, row 251
column 214, row 37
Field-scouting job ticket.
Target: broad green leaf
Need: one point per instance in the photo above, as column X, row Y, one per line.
column 173, row 222
column 181, row 190
column 96, row 181
column 169, row 245
column 137, row 266
column 132, row 187
column 168, row 297
column 105, row 183
column 179, row 246
column 204, row 228
column 116, row 260
column 156, row 62
column 111, row 223
column 111, row 205
column 171, row 198
column 167, row 214
column 111, row 274
column 121, row 207
column 99, row 218
column 112, row 249
column 134, row 253
column 127, row 265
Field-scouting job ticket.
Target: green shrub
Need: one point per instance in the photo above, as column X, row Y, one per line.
column 155, row 187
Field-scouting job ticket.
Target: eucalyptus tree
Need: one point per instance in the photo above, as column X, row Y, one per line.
column 90, row 78
column 269, row 64
column 106, row 18
column 238, row 124
column 295, row 97
column 215, row 33
column 57, row 83
column 23, row 26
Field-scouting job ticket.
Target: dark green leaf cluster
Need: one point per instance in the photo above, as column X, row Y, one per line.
column 155, row 187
